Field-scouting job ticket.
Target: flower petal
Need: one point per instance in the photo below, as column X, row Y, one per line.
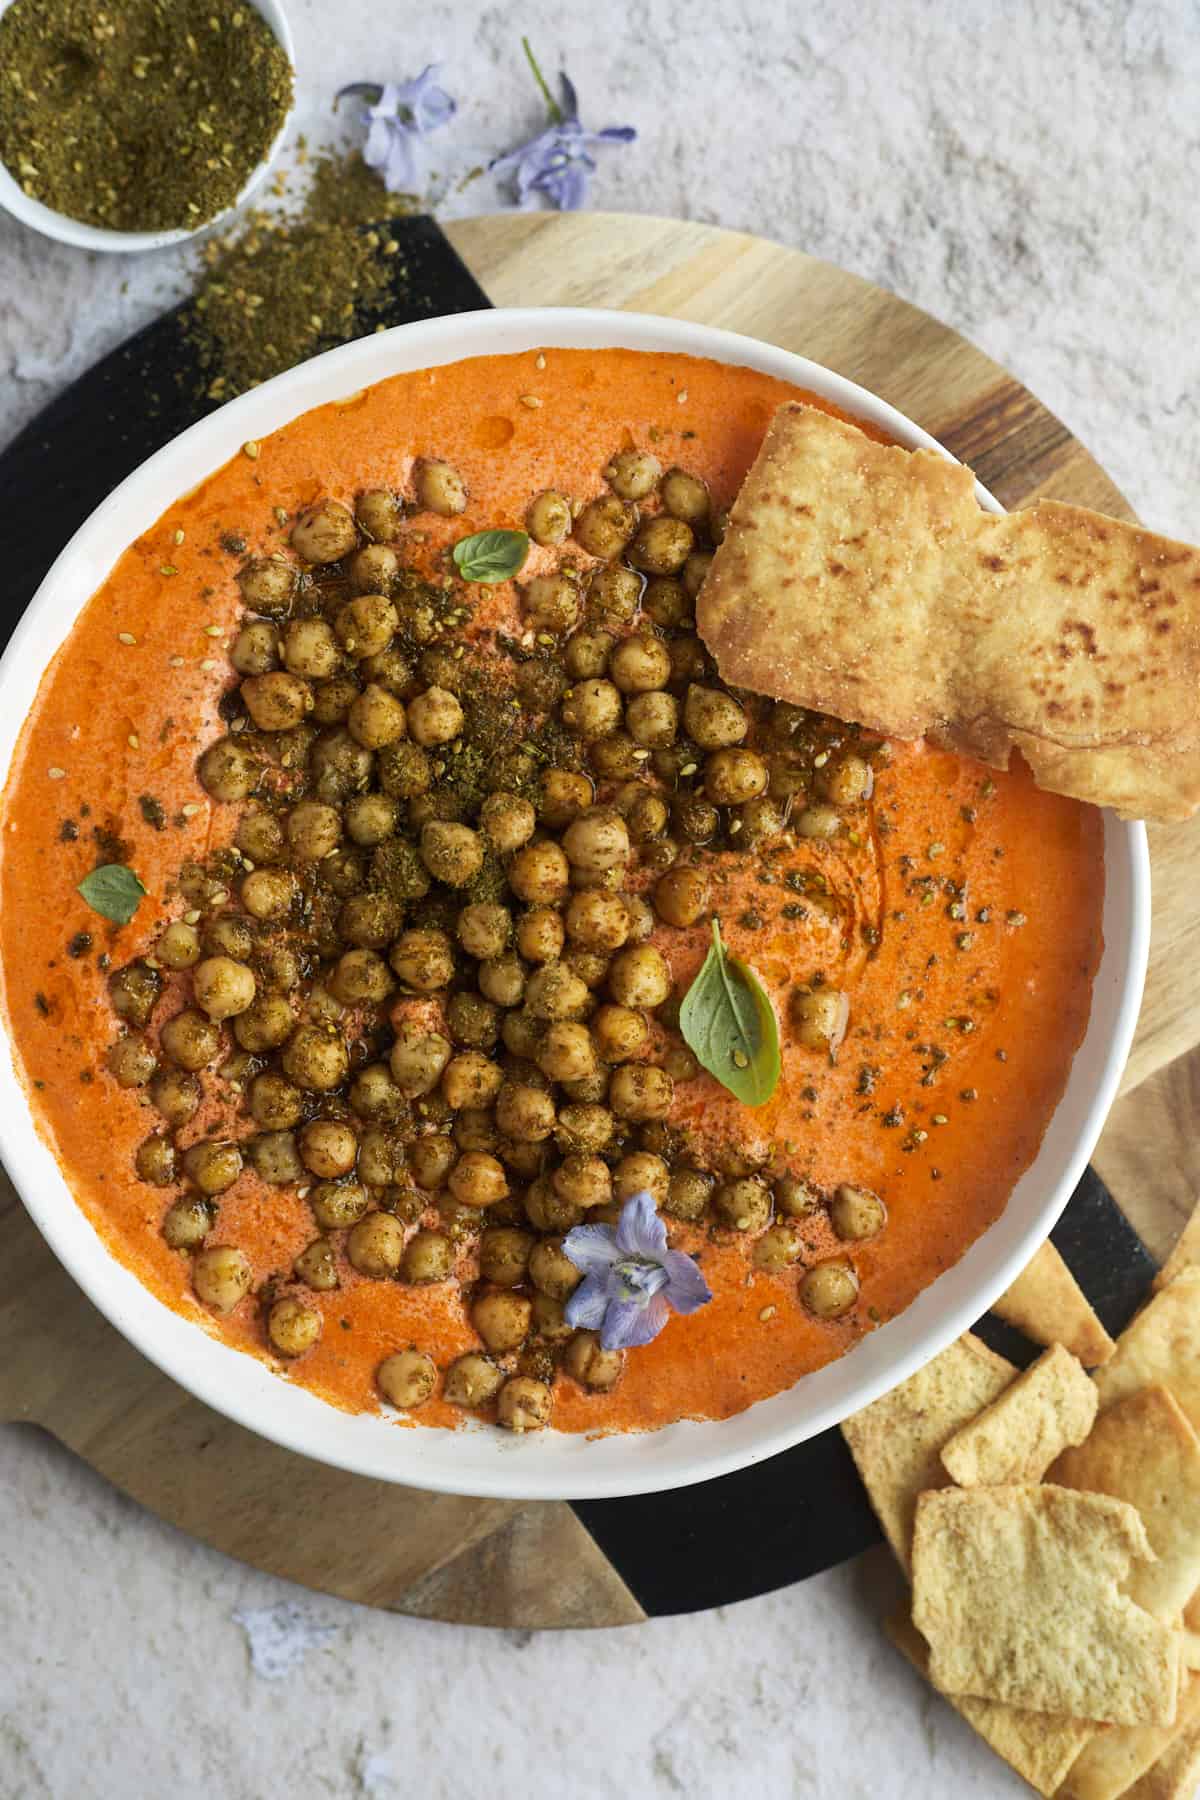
column 400, row 170
column 378, row 145
column 640, row 1231
column 628, row 1324
column 592, row 1248
column 612, row 134
column 589, row 1304
column 429, row 104
column 686, row 1287
column 570, row 99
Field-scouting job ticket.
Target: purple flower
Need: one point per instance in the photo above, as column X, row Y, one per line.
column 398, row 116
column 631, row 1279
column 556, row 162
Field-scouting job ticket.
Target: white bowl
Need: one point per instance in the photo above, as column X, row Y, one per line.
column 58, row 225
column 482, row 1460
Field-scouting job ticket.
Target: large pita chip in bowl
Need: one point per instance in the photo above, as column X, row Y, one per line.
column 1017, row 1592
column 1143, row 1450
column 865, row 581
column 1016, row 1438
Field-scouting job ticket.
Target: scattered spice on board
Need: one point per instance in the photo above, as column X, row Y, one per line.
column 147, row 115
column 284, row 286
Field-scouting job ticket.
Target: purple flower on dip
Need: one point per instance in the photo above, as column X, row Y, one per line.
column 556, row 162
column 398, row 116
column 631, row 1279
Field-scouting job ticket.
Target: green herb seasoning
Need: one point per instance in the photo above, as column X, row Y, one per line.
column 145, row 115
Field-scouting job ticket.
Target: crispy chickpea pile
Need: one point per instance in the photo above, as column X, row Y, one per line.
column 420, row 977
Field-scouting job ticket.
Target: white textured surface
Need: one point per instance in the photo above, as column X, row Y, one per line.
column 1029, row 173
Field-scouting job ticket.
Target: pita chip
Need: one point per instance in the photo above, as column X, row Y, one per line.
column 1185, row 1254
column 1017, row 1437
column 1049, row 1306
column 896, row 1442
column 1117, row 1755
column 1176, row 1773
column 1016, row 1590
column 1161, row 1345
column 1038, row 1746
column 865, row 581
column 1143, row 1450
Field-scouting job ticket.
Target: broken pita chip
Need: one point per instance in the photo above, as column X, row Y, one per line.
column 1186, row 1253
column 1143, row 1450
column 1116, row 1755
column 865, row 581
column 1016, row 1438
column 1016, row 1590
column 1049, row 1306
column 1161, row 1345
column 1175, row 1775
column 896, row 1442
column 1038, row 1746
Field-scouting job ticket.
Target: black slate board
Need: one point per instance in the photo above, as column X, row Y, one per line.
column 731, row 1539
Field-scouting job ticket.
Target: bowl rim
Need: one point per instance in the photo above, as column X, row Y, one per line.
column 481, row 1460
column 82, row 236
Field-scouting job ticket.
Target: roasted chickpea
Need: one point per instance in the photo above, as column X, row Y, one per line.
column 376, row 718
column 583, row 1126
column 428, row 1256
column 688, row 1194
column 584, row 1180
column 820, row 1018
column 423, row 960
column 795, row 1199
column 551, row 604
column 597, row 920
column 191, row 1040
column 265, row 1024
column 661, row 545
column 221, row 1277
column 856, row 1213
column 337, row 1205
column 477, row 1179
column 293, row 1326
column 551, row 1269
column 620, row 1032
column 585, row 656
column 339, row 766
column 361, row 977
column 228, row 935
column 175, row 1095
column 652, row 720
column 642, row 1172
column 370, row 921
column 588, row 1363
column 255, row 649
column 365, row 625
column 640, row 664
column 757, row 822
column 470, row 1079
column 310, row 649
column 632, row 474
column 373, row 569
column 695, row 573
column 452, row 853
column 640, row 976
column 604, row 526
column 434, row 717
column 685, row 497
column 275, row 1103
column 566, row 1052
column 177, row 948
column 472, row 1381
column 504, row 1255
column 375, row 1095
column 639, row 1091
column 275, row 1158
column 778, row 1248
column 597, row 840
column 681, row 897
column 524, row 1404
column 521, row 1034
column 328, row 1147
column 667, row 604
column 502, row 980
column 743, row 1205
column 407, row 1379
column 134, row 990
column 269, row 586
column 524, row 1113
column 591, row 709
column 325, row 532
column 380, row 514
column 502, row 1319
column 375, row 1246
column 277, row 702
column 188, row 1221
column 269, row 893
column 829, row 1289
column 562, row 795
column 553, row 992
column 614, row 592
column 316, row 1265
column 439, row 487
column 371, row 819
column 228, row 770
column 538, row 874
column 472, row 1020
column 816, row 822
column 315, row 1058
column 689, row 659
column 713, row 718
column 547, row 1210
column 223, row 987
column 734, row 776
column 548, row 520
column 155, row 1161
column 405, row 771
column 431, row 1159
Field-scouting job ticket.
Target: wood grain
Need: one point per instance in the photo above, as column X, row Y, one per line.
column 62, row 1366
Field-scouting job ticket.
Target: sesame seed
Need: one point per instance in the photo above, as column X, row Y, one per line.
column 126, row 637
column 820, row 761
column 541, row 361
column 940, row 1119
column 937, row 850
column 681, row 397
column 213, row 630
column 175, row 662
column 168, row 569
column 192, row 917
column 56, row 774
column 134, row 741
column 768, row 1312
column 191, row 809
column 250, row 449
column 530, row 400
column 208, row 663
column 179, row 537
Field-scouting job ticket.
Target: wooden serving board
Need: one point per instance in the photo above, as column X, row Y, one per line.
column 64, row 1368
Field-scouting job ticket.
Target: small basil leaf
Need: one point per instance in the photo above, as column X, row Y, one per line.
column 491, row 555
column 113, row 891
column 729, row 1024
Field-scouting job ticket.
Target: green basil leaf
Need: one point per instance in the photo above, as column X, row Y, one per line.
column 113, row 891
column 729, row 1024
column 491, row 555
